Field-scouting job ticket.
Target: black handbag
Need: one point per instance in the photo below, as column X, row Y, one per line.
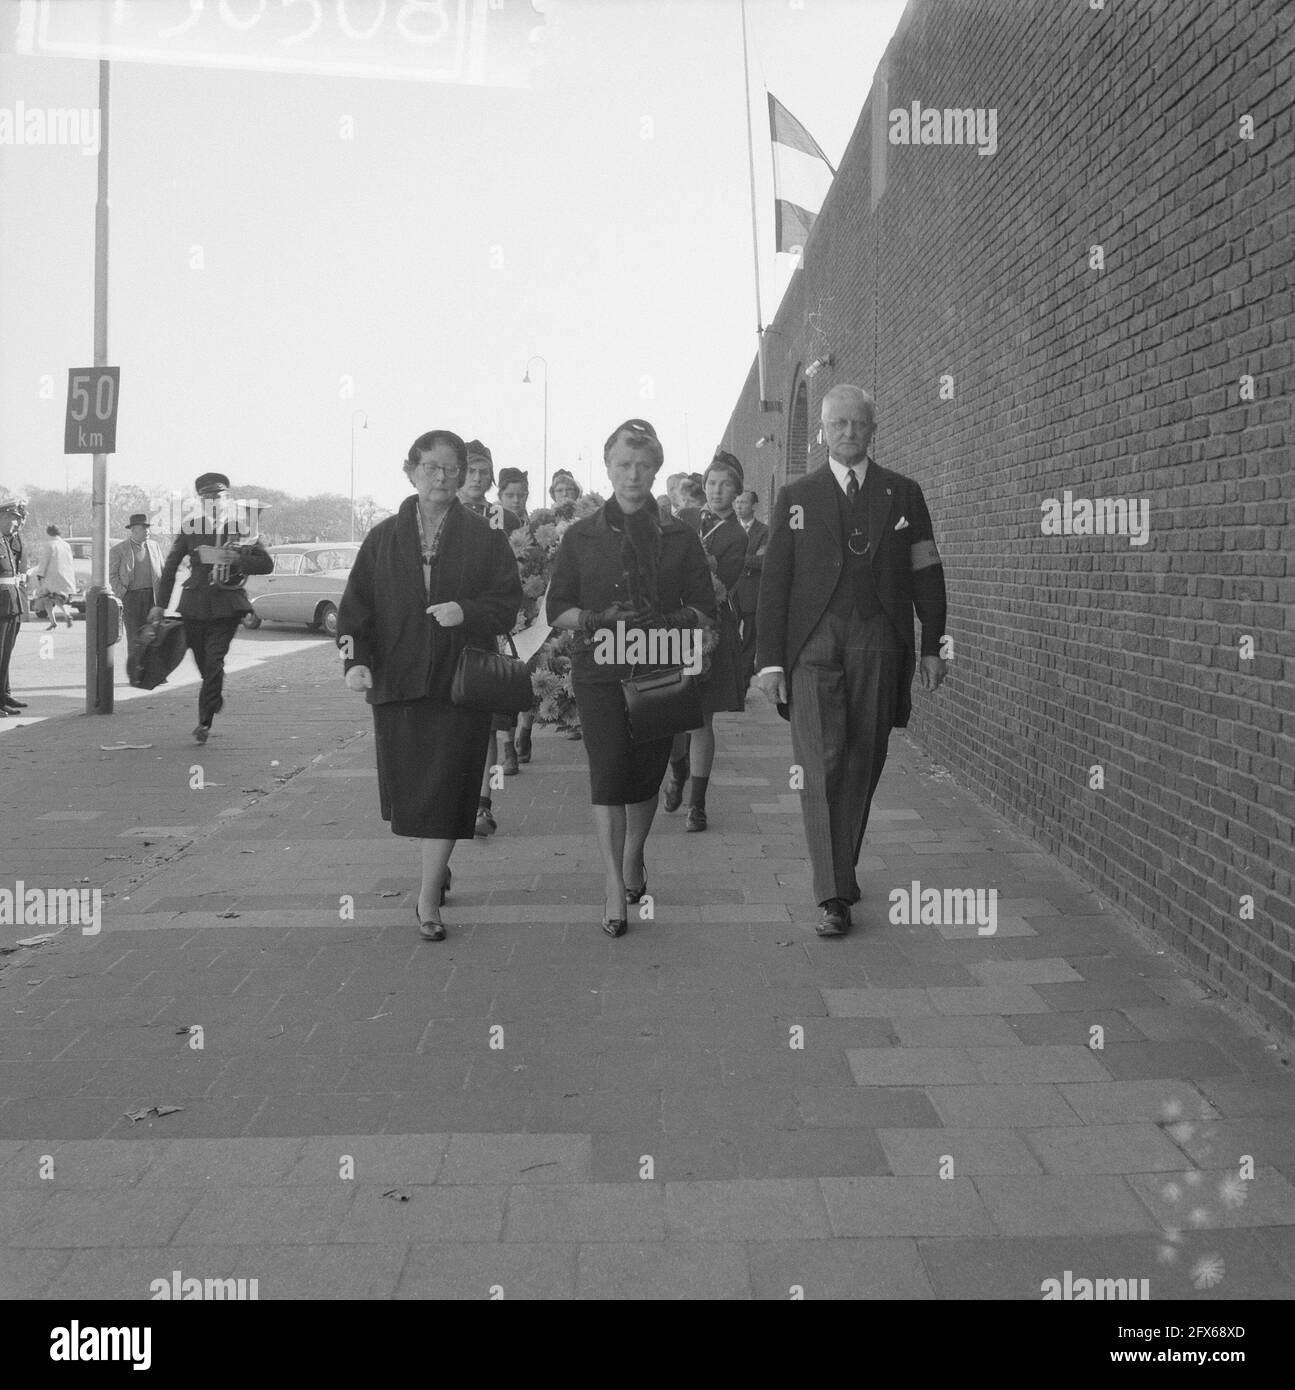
column 662, row 703
column 492, row 682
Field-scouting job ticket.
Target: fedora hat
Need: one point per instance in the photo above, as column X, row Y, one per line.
column 139, row 519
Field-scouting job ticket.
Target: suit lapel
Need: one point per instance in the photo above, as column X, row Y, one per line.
column 880, row 503
column 824, row 495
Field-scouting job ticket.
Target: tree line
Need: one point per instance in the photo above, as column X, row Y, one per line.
column 283, row 518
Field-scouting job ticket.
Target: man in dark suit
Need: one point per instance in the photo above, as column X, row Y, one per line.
column 13, row 596
column 748, row 587
column 851, row 554
column 212, row 603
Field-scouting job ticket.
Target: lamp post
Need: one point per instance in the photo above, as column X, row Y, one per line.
column 526, row 376
column 364, row 426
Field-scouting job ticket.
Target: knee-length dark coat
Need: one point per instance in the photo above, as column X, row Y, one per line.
column 383, row 611
column 430, row 753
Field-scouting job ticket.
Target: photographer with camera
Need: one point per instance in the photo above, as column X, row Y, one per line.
column 212, row 603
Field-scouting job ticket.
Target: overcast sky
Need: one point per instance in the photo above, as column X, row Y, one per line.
column 600, row 218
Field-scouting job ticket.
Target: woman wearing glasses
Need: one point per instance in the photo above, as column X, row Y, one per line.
column 427, row 582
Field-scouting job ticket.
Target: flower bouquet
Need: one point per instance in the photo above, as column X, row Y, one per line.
column 536, row 547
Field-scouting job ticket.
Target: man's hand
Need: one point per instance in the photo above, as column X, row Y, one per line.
column 155, row 615
column 359, row 678
column 934, row 670
column 447, row 614
column 773, row 684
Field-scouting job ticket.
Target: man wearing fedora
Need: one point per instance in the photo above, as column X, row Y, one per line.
column 212, row 603
column 851, row 554
column 13, row 595
column 134, row 572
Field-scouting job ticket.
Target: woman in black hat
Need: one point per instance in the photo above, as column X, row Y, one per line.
column 478, row 479
column 425, row 583
column 724, row 541
column 513, row 491
column 625, row 563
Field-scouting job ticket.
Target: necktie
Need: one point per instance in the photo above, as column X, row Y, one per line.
column 852, row 488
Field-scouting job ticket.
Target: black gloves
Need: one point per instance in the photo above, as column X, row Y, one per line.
column 591, row 619
column 683, row 618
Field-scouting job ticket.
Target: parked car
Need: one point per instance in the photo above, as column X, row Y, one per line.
column 82, row 547
column 82, row 565
column 305, row 587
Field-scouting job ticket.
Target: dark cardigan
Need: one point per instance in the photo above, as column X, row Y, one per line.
column 383, row 615
column 590, row 572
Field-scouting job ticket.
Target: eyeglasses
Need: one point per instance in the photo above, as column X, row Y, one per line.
column 438, row 470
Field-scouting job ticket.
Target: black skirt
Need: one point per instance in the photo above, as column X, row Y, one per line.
column 431, row 757
column 621, row 772
column 721, row 691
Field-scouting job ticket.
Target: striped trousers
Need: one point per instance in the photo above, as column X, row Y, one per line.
column 841, row 702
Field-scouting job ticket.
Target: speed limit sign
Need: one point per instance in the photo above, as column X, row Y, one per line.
column 91, row 424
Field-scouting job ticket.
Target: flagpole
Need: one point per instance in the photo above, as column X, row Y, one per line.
column 755, row 238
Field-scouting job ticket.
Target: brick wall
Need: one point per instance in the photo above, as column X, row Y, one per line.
column 1118, row 128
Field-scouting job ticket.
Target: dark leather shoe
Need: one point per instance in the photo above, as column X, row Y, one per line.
column 696, row 818
column 11, row 703
column 432, row 931
column 616, row 926
column 835, row 918
column 523, row 745
column 486, row 824
column 201, row 732
column 510, row 761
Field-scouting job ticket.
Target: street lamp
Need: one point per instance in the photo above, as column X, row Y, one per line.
column 526, row 376
column 364, row 426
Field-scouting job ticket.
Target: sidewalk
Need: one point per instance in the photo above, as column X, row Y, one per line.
column 369, row 1115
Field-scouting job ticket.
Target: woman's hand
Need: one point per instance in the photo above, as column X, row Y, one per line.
column 359, row 678
column 447, row 614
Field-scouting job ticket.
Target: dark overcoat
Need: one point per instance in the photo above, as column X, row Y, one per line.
column 382, row 622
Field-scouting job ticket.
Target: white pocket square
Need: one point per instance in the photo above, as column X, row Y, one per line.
column 901, row 523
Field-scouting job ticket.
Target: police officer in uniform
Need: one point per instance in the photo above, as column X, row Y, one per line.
column 13, row 595
column 212, row 603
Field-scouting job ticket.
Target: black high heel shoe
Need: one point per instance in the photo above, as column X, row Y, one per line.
column 635, row 895
column 616, row 926
column 430, row 931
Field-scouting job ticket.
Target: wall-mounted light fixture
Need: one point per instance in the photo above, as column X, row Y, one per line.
column 818, row 364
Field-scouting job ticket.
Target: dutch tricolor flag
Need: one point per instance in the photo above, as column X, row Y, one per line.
column 801, row 177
